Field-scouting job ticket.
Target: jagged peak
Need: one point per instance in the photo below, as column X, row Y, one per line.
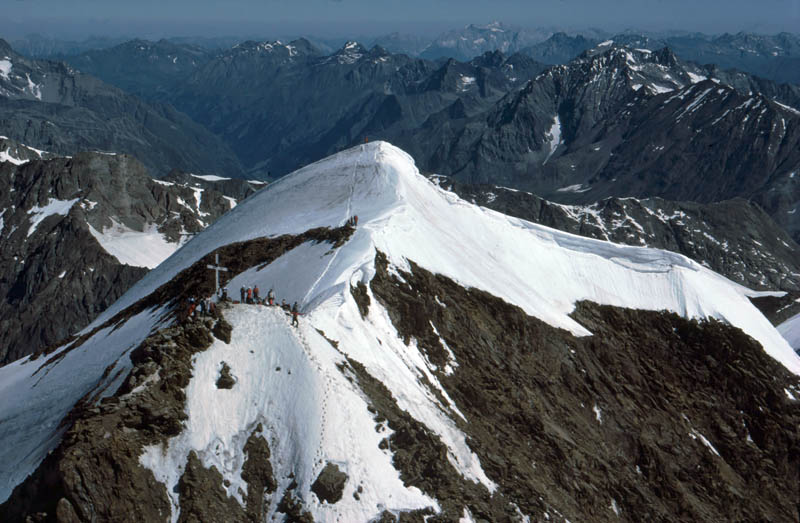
column 6, row 49
column 352, row 46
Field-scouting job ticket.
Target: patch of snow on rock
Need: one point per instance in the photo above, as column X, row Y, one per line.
column 38, row 214
column 146, row 248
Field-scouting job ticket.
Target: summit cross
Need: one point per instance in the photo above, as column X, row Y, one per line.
column 217, row 269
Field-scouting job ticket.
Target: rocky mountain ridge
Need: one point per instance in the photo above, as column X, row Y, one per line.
column 143, row 68
column 298, row 105
column 626, row 123
column 76, row 233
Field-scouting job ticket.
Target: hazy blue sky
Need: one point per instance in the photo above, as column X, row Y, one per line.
column 343, row 17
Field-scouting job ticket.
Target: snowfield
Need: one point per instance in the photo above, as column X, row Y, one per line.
column 145, row 248
column 315, row 414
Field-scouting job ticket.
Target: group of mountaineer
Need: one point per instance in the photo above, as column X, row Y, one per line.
column 252, row 296
column 195, row 307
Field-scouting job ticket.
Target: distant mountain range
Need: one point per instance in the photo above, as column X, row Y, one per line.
column 774, row 57
column 619, row 120
column 51, row 106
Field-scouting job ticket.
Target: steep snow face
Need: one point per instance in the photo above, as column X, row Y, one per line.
column 401, row 213
column 35, row 396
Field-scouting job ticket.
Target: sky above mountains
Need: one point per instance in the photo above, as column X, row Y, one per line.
column 370, row 17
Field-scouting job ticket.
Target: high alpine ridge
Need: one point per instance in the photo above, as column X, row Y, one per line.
column 75, row 233
column 449, row 361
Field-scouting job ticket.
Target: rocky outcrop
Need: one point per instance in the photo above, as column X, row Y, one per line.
column 226, row 380
column 735, row 238
column 329, row 485
column 652, row 417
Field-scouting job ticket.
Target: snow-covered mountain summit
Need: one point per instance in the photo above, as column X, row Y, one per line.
column 420, row 327
column 408, row 218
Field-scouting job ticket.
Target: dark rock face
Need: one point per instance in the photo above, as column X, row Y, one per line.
column 50, row 106
column 293, row 508
column 735, row 238
column 329, row 485
column 257, row 472
column 56, row 275
column 202, row 496
column 222, row 330
column 778, row 309
column 653, row 417
column 602, row 126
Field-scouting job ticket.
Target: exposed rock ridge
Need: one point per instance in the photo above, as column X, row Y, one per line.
column 654, row 417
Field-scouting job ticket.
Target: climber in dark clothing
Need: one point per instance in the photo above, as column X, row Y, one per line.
column 242, row 291
column 295, row 313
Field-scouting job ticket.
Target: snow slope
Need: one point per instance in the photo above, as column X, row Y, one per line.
column 541, row 270
column 29, row 428
column 790, row 329
column 272, row 362
column 405, row 216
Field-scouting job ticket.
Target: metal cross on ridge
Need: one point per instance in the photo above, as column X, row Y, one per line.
column 217, row 269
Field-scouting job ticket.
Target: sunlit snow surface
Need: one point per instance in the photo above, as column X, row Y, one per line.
column 315, row 415
column 401, row 213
